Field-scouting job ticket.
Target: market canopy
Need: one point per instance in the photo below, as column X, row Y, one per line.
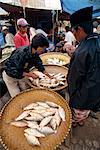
column 36, row 4
column 3, row 12
column 70, row 6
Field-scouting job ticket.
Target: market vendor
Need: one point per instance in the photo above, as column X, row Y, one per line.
column 84, row 70
column 21, row 61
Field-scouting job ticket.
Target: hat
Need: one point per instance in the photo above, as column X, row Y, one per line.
column 81, row 16
column 4, row 28
column 22, row 22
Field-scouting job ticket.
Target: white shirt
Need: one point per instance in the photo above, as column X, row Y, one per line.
column 69, row 37
column 9, row 39
column 41, row 31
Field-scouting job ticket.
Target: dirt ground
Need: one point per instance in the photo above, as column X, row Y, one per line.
column 86, row 137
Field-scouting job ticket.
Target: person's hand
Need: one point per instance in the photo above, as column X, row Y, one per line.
column 34, row 76
column 69, row 48
column 30, row 74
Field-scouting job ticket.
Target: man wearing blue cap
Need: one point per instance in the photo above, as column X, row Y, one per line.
column 84, row 71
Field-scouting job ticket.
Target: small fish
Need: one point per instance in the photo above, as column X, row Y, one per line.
column 61, row 113
column 49, row 112
column 39, row 107
column 53, row 123
column 22, row 115
column 32, row 124
column 33, row 118
column 32, row 140
column 19, row 123
column 31, row 106
column 45, row 121
column 34, row 132
column 39, row 111
column 57, row 118
column 52, row 104
column 46, row 130
column 62, row 83
column 43, row 104
column 37, row 116
column 40, row 74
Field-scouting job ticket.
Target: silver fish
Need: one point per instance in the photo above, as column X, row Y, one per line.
column 45, row 121
column 33, row 118
column 53, row 123
column 32, row 124
column 22, row 115
column 19, row 123
column 61, row 113
column 57, row 117
column 32, row 140
column 46, row 130
column 43, row 104
column 49, row 112
column 36, row 116
column 31, row 106
column 52, row 104
column 34, row 132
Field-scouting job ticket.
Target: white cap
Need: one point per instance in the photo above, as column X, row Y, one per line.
column 4, row 28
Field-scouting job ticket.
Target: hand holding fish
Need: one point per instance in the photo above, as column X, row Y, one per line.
column 30, row 74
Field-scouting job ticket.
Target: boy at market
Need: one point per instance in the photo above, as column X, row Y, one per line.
column 21, row 61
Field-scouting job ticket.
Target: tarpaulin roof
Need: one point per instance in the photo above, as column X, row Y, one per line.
column 36, row 4
column 3, row 12
column 70, row 6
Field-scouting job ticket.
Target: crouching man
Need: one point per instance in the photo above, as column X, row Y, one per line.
column 21, row 61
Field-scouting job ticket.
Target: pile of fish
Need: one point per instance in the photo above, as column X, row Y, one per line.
column 45, row 81
column 41, row 119
column 55, row 61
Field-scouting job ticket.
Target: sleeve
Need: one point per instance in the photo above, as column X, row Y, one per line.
column 77, row 72
column 38, row 63
column 14, row 65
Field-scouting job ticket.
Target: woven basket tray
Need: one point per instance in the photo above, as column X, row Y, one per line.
column 13, row 138
column 53, row 69
column 60, row 56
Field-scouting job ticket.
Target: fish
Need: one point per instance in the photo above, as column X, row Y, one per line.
column 39, row 107
column 52, row 104
column 39, row 111
column 43, row 104
column 37, row 82
column 53, row 123
column 19, row 123
column 61, row 83
column 33, row 118
column 32, row 140
column 40, row 74
column 61, row 113
column 37, row 116
column 46, row 130
column 48, row 112
column 34, row 132
column 22, row 115
column 30, row 106
column 45, row 121
column 32, row 124
column 57, row 118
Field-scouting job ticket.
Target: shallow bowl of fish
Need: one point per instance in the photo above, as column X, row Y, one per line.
column 56, row 83
column 55, row 58
column 36, row 119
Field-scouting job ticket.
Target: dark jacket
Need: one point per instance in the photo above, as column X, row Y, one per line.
column 21, row 60
column 84, row 75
